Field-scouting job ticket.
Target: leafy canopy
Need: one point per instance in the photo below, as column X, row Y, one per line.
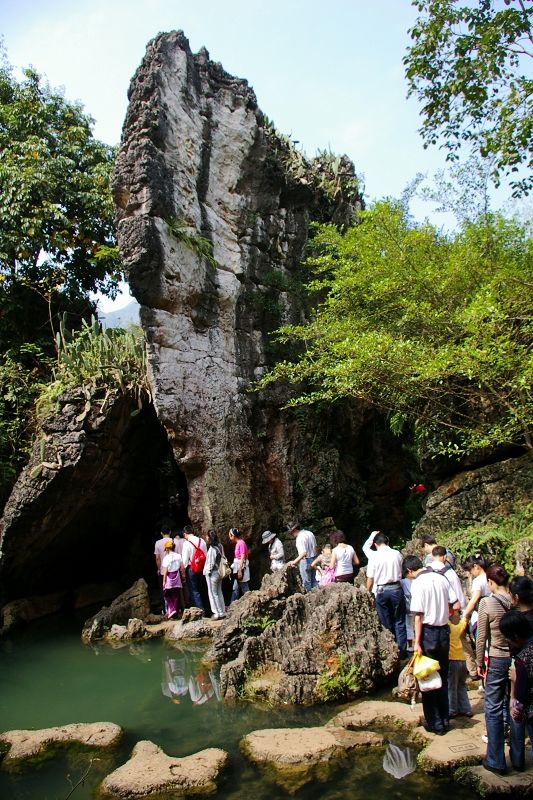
column 471, row 67
column 55, row 200
column 434, row 330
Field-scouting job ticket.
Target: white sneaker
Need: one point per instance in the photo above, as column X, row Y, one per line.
column 484, row 738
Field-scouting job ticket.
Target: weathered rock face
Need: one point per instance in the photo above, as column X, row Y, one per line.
column 476, row 495
column 200, row 170
column 130, row 608
column 90, row 488
column 292, row 647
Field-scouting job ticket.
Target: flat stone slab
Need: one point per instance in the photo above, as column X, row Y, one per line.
column 150, row 771
column 515, row 784
column 30, row 744
column 460, row 746
column 292, row 757
column 379, row 714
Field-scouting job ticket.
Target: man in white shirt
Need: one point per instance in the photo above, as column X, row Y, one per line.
column 441, row 564
column 383, row 576
column 431, row 598
column 195, row 580
column 306, row 547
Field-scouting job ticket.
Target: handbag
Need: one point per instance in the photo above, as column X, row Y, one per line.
column 432, row 682
column 424, row 666
column 407, row 688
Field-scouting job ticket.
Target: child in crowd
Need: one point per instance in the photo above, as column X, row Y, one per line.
column 322, row 562
column 457, row 673
column 409, row 618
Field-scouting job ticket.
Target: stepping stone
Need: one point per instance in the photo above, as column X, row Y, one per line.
column 292, row 757
column 30, row 744
column 150, row 771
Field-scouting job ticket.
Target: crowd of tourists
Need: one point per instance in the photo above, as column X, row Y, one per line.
column 421, row 601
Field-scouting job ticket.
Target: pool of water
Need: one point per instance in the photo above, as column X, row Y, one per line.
column 161, row 693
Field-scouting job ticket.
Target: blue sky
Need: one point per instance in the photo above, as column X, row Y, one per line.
column 329, row 73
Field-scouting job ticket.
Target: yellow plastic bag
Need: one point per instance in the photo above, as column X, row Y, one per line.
column 424, row 666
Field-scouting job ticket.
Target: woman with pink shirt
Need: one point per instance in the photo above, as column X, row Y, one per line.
column 240, row 567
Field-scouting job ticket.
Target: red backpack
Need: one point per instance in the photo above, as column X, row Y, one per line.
column 198, row 559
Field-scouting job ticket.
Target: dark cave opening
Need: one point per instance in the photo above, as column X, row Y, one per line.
column 91, row 534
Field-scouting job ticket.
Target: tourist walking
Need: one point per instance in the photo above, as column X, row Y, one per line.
column 276, row 551
column 431, row 597
column 321, row 562
column 383, row 576
column 212, row 575
column 306, row 548
column 344, row 559
column 496, row 673
column 194, row 555
column 171, row 566
column 241, row 566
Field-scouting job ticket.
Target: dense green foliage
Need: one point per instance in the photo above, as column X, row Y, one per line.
column 24, row 372
column 55, row 200
column 495, row 540
column 101, row 361
column 56, row 243
column 434, row 330
column 471, row 66
column 338, row 681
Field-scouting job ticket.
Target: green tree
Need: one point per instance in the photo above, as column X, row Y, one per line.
column 56, row 236
column 436, row 331
column 470, row 65
column 57, row 243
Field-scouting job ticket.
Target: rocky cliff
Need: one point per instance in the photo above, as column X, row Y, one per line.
column 214, row 211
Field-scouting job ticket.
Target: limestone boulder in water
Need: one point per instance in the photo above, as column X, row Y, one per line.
column 150, row 771
column 132, row 604
column 292, row 757
column 26, row 744
column 287, row 646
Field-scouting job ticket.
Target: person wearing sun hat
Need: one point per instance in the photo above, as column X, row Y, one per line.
column 275, row 550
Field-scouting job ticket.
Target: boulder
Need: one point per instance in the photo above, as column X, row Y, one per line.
column 476, row 495
column 132, row 604
column 292, row 757
column 22, row 745
column 327, row 644
column 151, row 772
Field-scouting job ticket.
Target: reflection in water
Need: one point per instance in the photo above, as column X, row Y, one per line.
column 183, row 676
column 399, row 761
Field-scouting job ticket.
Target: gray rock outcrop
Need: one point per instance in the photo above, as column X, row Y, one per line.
column 129, row 609
column 289, row 647
column 214, row 208
column 477, row 495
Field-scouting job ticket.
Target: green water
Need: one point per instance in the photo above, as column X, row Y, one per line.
column 47, row 678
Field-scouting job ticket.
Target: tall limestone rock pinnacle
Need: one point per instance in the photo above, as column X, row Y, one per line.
column 214, row 209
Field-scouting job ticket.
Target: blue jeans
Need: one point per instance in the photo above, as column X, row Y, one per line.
column 436, row 644
column 390, row 605
column 518, row 736
column 239, row 588
column 194, row 582
column 307, row 574
column 496, row 701
column 457, row 693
